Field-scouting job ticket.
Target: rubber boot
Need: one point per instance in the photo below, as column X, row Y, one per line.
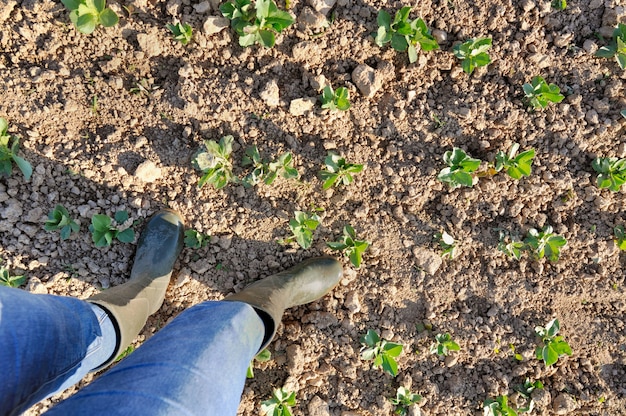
column 130, row 304
column 303, row 283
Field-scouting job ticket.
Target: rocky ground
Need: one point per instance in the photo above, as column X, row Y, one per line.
column 111, row 120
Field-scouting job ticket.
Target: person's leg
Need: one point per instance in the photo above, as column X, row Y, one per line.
column 196, row 365
column 47, row 343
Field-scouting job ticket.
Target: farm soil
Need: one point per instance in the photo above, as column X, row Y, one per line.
column 111, row 121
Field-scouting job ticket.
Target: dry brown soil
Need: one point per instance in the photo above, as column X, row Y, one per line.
column 85, row 157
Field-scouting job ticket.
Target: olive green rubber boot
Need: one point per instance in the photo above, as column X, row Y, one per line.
column 130, row 304
column 303, row 283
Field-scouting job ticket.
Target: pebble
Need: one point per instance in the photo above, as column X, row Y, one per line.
column 12, row 212
column 322, row 6
column 301, row 106
column 592, row 117
column 149, row 44
column 564, row 404
column 148, row 172
column 225, row 241
column 352, row 302
column 203, row 7
column 440, row 36
column 318, row 407
column 365, row 79
column 270, row 94
column 34, row 285
column 215, row 24
column 427, row 259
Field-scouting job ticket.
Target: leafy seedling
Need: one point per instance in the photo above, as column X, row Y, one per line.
column 182, row 32
column 448, row 244
column 498, row 407
column 59, row 219
column 516, row 355
column 403, row 400
column 280, row 404
column 103, row 232
column 214, row 163
column 620, row 237
column 338, row 99
column 381, row 351
column 350, row 246
column 256, row 24
column 267, row 172
column 444, row 345
column 515, row 165
column 403, row 33
column 302, row 227
column 611, row 172
column 553, row 346
column 337, row 171
column 525, row 390
column 9, row 146
column 473, row 53
column 617, row 47
column 195, row 239
column 261, row 357
column 460, row 168
column 125, row 353
column 6, row 279
column 87, row 14
column 539, row 93
column 559, row 4
column 545, row 243
column 509, row 246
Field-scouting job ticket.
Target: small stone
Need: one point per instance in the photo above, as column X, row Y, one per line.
column 451, row 360
column 364, row 77
column 540, row 60
column 428, row 260
column 201, row 266
column 590, row 46
column 149, row 44
column 270, row 94
column 105, row 282
column 34, row 215
column 148, row 171
column 564, row 404
column 173, row 6
column 313, row 19
column 215, row 24
column 225, row 241
column 303, row 50
column 12, row 212
column 322, row 6
column 440, row 36
column 592, row 117
column 295, row 359
column 203, row 7
column 301, row 106
column 318, row 407
column 183, row 277
column 541, row 397
column 34, row 285
column 528, row 5
column 352, row 302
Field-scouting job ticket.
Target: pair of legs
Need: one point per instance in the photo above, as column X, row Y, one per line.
column 195, row 365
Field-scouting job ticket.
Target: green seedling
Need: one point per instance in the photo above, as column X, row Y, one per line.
column 525, row 390
column 509, row 246
column 6, row 279
column 261, row 357
column 553, row 346
column 498, row 407
column 620, row 237
column 515, row 165
column 125, row 353
column 302, row 227
column 444, row 345
column 59, row 219
column 337, row 171
column 559, row 4
column 460, row 168
column 214, row 163
column 256, row 24
column 518, row 356
column 623, row 113
column 539, row 93
column 338, row 99
column 280, row 404
column 617, row 47
column 182, row 32
column 267, row 172
column 195, row 239
column 611, row 172
column 448, row 244
column 381, row 351
column 103, row 232
column 403, row 400
column 350, row 246
column 9, row 146
column 404, row 34
column 545, row 243
column 473, row 53
column 87, row 14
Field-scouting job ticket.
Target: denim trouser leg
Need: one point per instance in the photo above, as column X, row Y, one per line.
column 47, row 343
column 196, row 365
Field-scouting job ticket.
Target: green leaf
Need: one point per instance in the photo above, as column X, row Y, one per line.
column 550, row 356
column 371, row 338
column 101, row 222
column 121, row 217
column 384, row 20
column 70, row 5
column 126, row 236
column 108, row 18
column 24, row 166
column 86, row 23
column 389, row 365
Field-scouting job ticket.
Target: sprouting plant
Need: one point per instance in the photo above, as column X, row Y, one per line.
column 404, row 33
column 280, row 404
column 448, row 244
column 553, row 346
column 617, row 47
column 444, row 345
column 195, row 239
column 620, row 237
column 258, row 23
column 516, row 355
column 302, row 228
column 510, row 246
column 460, row 168
column 265, row 171
column 545, row 243
column 350, row 246
column 338, row 99
column 611, row 172
column 182, row 32
column 59, row 219
column 381, row 351
column 539, row 93
column 103, row 231
column 87, row 14
column 337, row 171
column 525, row 390
column 515, row 165
column 9, row 146
column 261, row 357
column 559, row 4
column 403, row 400
column 473, row 53
column 6, row 279
column 623, row 113
column 214, row 162
column 125, row 353
column 498, row 407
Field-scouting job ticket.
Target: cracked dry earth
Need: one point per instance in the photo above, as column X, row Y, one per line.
column 111, row 121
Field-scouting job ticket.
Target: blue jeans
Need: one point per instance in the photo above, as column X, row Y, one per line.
column 196, row 365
